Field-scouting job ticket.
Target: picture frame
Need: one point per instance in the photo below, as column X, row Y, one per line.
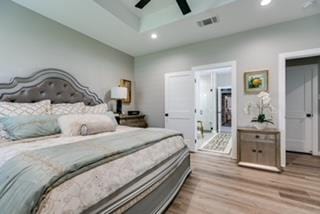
column 127, row 84
column 256, row 81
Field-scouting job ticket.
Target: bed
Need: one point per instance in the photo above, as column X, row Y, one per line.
column 130, row 170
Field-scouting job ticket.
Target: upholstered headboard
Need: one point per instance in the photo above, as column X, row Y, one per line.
column 54, row 84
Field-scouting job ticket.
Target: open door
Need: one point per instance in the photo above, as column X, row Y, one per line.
column 180, row 105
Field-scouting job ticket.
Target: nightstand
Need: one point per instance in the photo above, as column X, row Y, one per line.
column 259, row 149
column 132, row 120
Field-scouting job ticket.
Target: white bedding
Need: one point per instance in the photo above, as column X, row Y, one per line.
column 87, row 189
column 10, row 149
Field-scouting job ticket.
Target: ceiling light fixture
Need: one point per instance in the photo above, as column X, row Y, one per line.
column 154, row 36
column 265, row 2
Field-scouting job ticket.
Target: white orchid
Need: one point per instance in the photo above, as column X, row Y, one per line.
column 265, row 97
column 263, row 107
column 263, row 94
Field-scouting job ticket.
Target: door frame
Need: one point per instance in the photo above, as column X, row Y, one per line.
column 283, row 57
column 233, row 65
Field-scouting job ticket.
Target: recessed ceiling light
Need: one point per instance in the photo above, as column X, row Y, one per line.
column 154, row 36
column 265, row 2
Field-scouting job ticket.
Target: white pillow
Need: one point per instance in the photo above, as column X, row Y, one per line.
column 9, row 109
column 85, row 124
column 67, row 108
column 4, row 135
column 97, row 109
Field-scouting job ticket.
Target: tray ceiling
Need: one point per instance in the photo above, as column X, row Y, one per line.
column 156, row 13
column 119, row 24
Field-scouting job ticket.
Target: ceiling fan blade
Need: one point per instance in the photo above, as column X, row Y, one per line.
column 142, row 3
column 184, row 6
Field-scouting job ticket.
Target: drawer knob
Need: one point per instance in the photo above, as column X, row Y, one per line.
column 260, row 151
column 257, row 136
column 253, row 150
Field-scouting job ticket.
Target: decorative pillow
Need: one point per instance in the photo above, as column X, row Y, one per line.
column 22, row 127
column 112, row 117
column 85, row 124
column 98, row 109
column 67, row 108
column 8, row 109
column 4, row 136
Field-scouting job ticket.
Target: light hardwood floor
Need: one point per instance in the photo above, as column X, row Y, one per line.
column 218, row 185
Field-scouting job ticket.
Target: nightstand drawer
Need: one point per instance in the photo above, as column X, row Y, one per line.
column 257, row 137
column 132, row 121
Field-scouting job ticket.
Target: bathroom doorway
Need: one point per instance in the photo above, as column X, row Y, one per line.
column 214, row 110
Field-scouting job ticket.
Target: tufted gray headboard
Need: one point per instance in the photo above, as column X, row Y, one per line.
column 54, row 84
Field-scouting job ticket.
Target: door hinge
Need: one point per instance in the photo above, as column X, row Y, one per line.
column 195, row 80
column 195, row 111
column 195, row 140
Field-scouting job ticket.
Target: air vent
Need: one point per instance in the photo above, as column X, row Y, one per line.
column 208, row 21
column 309, row 3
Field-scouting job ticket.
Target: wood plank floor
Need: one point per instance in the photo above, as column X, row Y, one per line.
column 218, row 185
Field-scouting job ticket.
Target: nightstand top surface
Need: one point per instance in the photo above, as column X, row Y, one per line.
column 130, row 116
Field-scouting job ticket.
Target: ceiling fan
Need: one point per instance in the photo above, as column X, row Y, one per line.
column 183, row 4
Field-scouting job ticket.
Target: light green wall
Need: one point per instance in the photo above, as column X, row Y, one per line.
column 30, row 42
column 253, row 50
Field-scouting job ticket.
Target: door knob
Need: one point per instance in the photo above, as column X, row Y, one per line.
column 309, row 115
column 166, row 115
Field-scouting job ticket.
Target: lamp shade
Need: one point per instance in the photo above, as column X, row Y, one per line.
column 119, row 93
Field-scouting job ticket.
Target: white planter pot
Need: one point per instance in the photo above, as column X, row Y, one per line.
column 260, row 126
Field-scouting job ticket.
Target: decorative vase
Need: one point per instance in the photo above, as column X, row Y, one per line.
column 260, row 126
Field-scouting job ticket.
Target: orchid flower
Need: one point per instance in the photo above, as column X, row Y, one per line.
column 263, row 106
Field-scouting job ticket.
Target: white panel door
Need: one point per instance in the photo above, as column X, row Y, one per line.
column 299, row 108
column 180, row 104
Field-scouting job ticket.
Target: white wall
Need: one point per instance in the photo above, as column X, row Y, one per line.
column 253, row 50
column 30, row 42
column 224, row 79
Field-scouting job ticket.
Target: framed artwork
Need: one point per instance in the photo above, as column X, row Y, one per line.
column 128, row 85
column 256, row 81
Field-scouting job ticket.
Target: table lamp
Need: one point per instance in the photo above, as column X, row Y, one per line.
column 119, row 94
